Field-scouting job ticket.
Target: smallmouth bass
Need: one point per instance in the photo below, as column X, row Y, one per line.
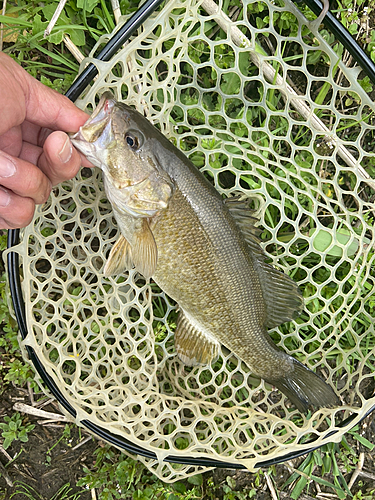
column 200, row 249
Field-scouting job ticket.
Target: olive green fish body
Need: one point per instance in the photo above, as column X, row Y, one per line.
column 207, row 268
column 200, row 249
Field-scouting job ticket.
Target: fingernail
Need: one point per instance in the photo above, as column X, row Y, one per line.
column 7, row 167
column 66, row 152
column 4, row 197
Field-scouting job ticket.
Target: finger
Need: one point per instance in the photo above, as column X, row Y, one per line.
column 11, row 141
column 34, row 134
column 59, row 160
column 15, row 211
column 48, row 108
column 23, row 178
column 33, row 154
column 22, row 97
column 12, row 98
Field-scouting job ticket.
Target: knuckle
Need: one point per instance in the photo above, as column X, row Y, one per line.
column 20, row 217
column 45, row 195
column 37, row 187
column 25, row 220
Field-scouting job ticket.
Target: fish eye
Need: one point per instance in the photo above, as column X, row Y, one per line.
column 132, row 141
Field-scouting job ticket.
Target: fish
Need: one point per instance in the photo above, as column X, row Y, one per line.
column 198, row 247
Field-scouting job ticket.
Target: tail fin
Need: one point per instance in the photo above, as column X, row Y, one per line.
column 306, row 389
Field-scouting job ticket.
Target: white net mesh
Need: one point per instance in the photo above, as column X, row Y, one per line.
column 277, row 117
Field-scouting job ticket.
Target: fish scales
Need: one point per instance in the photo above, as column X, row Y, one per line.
column 201, row 250
column 225, row 294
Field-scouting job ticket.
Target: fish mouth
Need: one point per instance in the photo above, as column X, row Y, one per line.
column 98, row 121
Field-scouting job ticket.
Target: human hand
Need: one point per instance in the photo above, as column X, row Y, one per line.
column 35, row 151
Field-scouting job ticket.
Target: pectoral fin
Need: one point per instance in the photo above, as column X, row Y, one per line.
column 143, row 254
column 194, row 346
column 144, row 251
column 119, row 259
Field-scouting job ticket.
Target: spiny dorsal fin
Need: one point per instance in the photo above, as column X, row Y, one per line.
column 282, row 296
column 193, row 346
column 119, row 259
column 242, row 213
column 144, row 251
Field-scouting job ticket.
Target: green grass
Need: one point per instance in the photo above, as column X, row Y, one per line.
column 64, row 493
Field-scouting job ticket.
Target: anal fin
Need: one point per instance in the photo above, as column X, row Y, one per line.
column 193, row 346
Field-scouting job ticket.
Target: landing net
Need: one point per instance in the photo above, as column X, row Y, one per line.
column 263, row 106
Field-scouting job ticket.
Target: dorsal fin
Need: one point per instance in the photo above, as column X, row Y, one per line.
column 282, row 296
column 244, row 216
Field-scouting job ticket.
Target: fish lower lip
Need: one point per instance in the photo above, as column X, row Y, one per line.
column 76, row 137
column 78, row 142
